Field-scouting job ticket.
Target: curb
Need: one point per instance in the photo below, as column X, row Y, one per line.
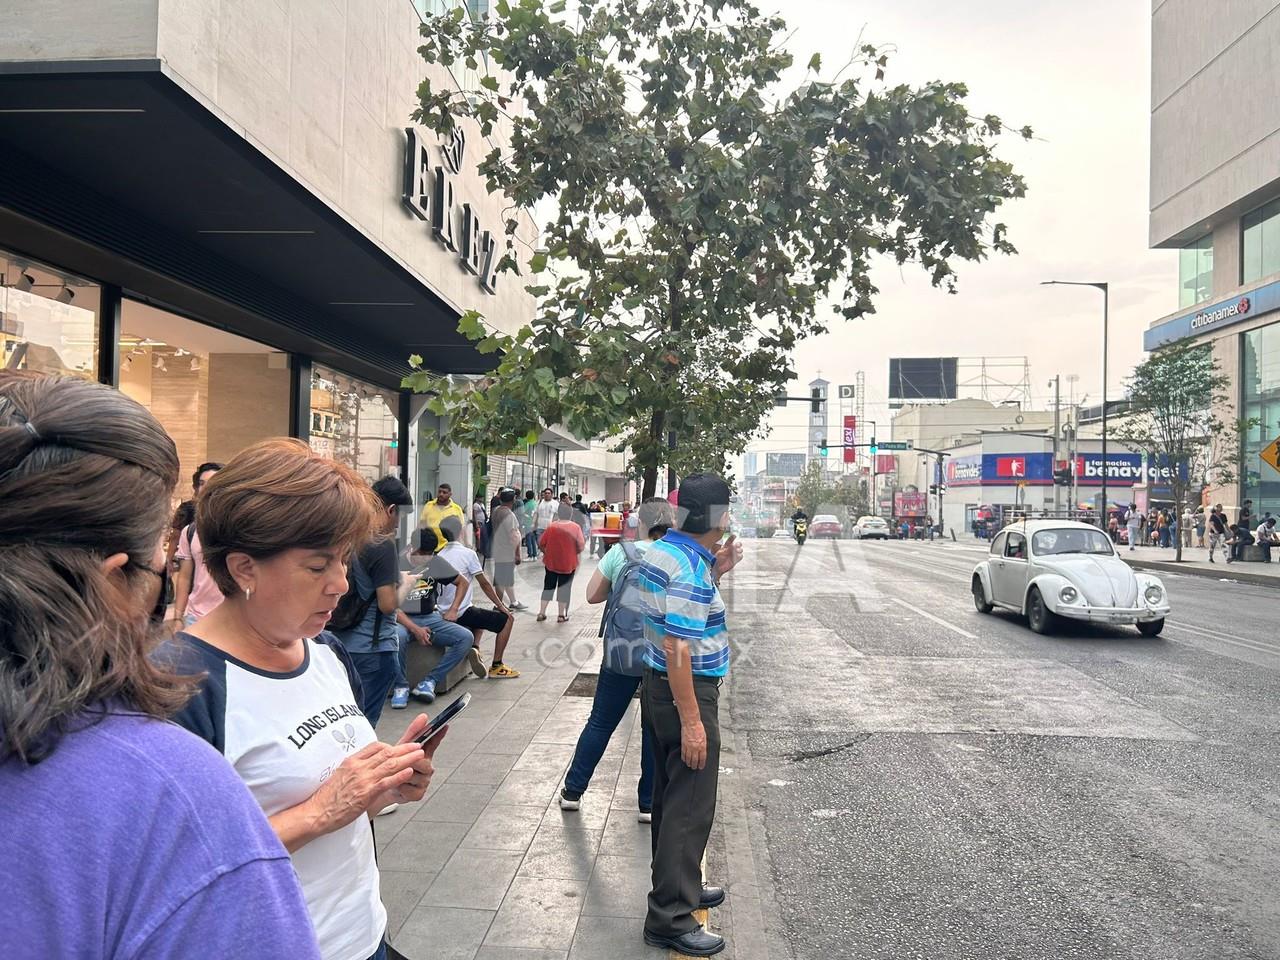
column 1158, row 566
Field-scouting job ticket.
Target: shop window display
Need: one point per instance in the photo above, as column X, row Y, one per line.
column 48, row 319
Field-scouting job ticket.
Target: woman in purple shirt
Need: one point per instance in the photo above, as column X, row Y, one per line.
column 123, row 835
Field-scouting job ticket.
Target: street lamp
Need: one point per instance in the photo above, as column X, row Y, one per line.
column 1105, row 297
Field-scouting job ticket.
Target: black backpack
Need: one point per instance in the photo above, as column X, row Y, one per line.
column 352, row 607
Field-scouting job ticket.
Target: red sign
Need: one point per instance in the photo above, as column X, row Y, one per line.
column 1011, row 466
column 850, row 438
column 910, row 504
column 886, row 463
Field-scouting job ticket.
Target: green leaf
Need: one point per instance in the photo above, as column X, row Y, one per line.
column 619, row 395
column 538, row 262
column 815, row 62
column 489, row 82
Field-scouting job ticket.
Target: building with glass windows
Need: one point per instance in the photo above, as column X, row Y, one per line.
column 1215, row 196
column 222, row 207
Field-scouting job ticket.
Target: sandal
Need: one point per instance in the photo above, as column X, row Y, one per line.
column 541, row 617
column 562, row 619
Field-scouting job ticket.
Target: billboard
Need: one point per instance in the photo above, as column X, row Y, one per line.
column 1036, row 469
column 785, row 464
column 921, row 378
column 910, row 504
column 886, row 463
column 850, row 438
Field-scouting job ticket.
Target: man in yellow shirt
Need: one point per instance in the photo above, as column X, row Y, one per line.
column 436, row 510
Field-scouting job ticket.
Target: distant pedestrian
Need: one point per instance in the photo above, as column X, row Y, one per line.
column 544, row 514
column 194, row 592
column 526, row 513
column 1199, row 526
column 1186, row 525
column 562, row 544
column 616, row 581
column 1133, row 525
column 1240, row 538
column 506, row 548
column 1218, row 532
column 686, row 659
column 480, row 527
column 1113, row 528
column 122, row 834
column 1267, row 537
column 436, row 510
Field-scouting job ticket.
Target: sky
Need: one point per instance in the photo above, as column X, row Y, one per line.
column 1079, row 73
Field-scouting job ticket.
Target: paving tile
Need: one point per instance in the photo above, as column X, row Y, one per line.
column 561, row 853
column 520, row 953
column 477, row 879
column 619, row 887
column 422, row 845
column 456, row 802
column 507, row 741
column 625, row 836
column 504, row 827
column 401, row 891
column 527, row 788
column 593, row 815
column 554, row 757
column 443, row 933
column 537, row 913
column 486, row 768
column 618, row 938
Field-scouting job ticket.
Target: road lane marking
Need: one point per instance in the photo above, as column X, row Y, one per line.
column 1256, row 646
column 938, row 620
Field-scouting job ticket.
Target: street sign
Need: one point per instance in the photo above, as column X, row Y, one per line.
column 895, row 444
column 1271, row 454
column 846, row 391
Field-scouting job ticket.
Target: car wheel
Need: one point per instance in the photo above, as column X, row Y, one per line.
column 1151, row 628
column 1040, row 617
column 980, row 597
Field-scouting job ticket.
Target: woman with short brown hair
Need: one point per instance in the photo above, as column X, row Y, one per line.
column 122, row 835
column 280, row 698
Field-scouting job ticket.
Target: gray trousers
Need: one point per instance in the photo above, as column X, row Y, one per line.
column 684, row 803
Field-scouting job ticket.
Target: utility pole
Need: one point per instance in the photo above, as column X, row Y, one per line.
column 1057, row 429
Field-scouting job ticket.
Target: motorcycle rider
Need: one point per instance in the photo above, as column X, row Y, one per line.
column 799, row 524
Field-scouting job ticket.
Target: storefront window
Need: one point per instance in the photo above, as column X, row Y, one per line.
column 1261, row 400
column 1261, row 242
column 48, row 319
column 214, row 392
column 355, row 422
column 1195, row 272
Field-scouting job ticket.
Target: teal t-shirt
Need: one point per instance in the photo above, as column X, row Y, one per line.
column 615, row 560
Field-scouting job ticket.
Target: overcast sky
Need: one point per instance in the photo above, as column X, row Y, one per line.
column 1079, row 73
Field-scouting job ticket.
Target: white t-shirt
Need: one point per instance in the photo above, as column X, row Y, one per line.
column 463, row 559
column 544, row 514
column 285, row 734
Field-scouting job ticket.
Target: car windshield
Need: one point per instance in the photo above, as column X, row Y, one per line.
column 1048, row 543
column 825, row 518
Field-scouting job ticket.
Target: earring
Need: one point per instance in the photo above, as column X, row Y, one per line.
column 248, row 592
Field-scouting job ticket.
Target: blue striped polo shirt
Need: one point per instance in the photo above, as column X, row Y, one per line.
column 678, row 588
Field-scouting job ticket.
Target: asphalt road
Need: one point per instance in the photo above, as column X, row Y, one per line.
column 905, row 777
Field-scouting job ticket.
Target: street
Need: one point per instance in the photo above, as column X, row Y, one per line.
column 905, row 777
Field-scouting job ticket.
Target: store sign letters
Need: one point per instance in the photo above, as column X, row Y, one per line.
column 429, row 196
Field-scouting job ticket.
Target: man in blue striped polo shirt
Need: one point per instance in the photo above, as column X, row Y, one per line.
column 687, row 657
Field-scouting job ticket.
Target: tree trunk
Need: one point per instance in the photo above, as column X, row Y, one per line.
column 649, row 485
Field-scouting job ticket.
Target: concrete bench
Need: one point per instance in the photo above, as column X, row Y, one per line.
column 1254, row 553
column 420, row 660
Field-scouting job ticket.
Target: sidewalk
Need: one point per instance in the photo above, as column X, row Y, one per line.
column 488, row 867
column 1195, row 561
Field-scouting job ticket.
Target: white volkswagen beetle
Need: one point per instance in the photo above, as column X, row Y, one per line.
column 1059, row 568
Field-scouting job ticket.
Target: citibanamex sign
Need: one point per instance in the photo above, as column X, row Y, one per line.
column 429, row 196
column 1210, row 317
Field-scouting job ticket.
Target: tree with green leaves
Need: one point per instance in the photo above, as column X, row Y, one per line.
column 818, row 493
column 1174, row 397
column 704, row 215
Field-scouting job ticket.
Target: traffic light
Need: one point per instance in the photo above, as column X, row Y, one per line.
column 815, row 400
column 873, row 446
column 1062, row 478
column 933, row 488
column 823, row 447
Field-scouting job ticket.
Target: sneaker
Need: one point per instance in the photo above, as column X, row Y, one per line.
column 399, row 698
column 645, row 816
column 517, row 605
column 500, row 671
column 426, row 690
column 477, row 665
column 389, row 808
column 570, row 800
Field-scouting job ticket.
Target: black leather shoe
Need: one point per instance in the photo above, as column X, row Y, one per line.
column 695, row 943
column 711, row 897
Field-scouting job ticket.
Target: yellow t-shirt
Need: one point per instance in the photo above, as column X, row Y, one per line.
column 433, row 513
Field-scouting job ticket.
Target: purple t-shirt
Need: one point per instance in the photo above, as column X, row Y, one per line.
column 135, row 839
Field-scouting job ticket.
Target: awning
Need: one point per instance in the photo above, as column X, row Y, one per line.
column 111, row 170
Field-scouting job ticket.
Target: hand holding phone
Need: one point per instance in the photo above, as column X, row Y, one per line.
column 441, row 719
